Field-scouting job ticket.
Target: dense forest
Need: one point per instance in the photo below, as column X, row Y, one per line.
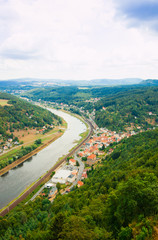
column 76, row 94
column 117, row 108
column 18, row 114
column 137, row 108
column 119, row 200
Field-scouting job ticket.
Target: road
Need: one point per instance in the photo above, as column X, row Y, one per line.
column 81, row 168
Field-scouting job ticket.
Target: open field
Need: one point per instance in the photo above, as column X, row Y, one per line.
column 25, row 157
column 30, row 135
column 4, row 102
column 9, row 153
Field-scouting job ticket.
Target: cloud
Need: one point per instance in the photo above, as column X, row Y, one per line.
column 139, row 13
column 18, row 55
column 79, row 39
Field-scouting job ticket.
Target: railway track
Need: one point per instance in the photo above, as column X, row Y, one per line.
column 32, row 188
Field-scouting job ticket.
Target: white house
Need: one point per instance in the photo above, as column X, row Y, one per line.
column 71, row 178
column 61, row 176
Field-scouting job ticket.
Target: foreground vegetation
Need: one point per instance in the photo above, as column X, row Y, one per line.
column 118, row 201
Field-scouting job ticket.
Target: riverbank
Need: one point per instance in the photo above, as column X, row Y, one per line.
column 32, row 153
column 36, row 184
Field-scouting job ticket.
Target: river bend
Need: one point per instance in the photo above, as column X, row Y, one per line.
column 18, row 179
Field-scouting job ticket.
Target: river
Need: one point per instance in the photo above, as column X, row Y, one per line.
column 18, row 179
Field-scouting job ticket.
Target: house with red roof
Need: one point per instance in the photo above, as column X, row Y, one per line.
column 72, row 161
column 80, row 154
column 79, row 184
column 84, row 175
column 91, row 157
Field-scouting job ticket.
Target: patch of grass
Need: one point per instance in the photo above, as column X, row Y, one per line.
column 4, row 102
column 84, row 134
column 9, row 154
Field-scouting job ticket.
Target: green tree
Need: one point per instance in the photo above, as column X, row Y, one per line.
column 58, row 185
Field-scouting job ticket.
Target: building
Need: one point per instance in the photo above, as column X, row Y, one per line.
column 71, row 178
column 91, row 157
column 79, row 184
column 72, row 162
column 61, row 176
column 84, row 175
column 52, row 193
column 49, row 185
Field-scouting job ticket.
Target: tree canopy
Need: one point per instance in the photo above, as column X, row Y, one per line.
column 119, row 200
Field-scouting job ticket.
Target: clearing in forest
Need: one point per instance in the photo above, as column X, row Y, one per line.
column 4, row 102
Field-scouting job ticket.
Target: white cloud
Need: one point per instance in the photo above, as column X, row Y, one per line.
column 81, row 39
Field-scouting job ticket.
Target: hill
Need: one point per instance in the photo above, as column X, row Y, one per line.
column 118, row 108
column 74, row 94
column 17, row 115
column 60, row 82
column 119, row 200
column 128, row 110
column 149, row 82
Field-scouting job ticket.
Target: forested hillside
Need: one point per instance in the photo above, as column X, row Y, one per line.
column 118, row 108
column 17, row 114
column 78, row 94
column 74, row 94
column 66, row 95
column 133, row 109
column 118, row 201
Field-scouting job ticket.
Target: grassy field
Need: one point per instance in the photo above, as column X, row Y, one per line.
column 29, row 136
column 9, row 154
column 4, row 102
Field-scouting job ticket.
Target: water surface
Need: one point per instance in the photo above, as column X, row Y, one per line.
column 18, row 179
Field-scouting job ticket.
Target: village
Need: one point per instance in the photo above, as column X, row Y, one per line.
column 73, row 172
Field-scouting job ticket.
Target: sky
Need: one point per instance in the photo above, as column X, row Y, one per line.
column 79, row 39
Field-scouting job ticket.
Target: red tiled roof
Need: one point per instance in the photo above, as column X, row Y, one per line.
column 72, row 160
column 80, row 183
column 92, row 156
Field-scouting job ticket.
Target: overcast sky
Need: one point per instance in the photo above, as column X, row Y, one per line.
column 78, row 39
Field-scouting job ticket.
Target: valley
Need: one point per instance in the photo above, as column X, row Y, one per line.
column 112, row 194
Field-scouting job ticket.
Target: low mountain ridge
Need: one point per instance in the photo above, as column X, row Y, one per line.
column 149, row 82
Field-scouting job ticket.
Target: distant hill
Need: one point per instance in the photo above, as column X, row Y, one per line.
column 149, row 82
column 109, row 82
column 49, row 82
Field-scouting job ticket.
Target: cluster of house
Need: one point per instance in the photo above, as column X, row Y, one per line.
column 93, row 100
column 101, row 139
column 8, row 144
column 43, row 129
column 67, row 174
